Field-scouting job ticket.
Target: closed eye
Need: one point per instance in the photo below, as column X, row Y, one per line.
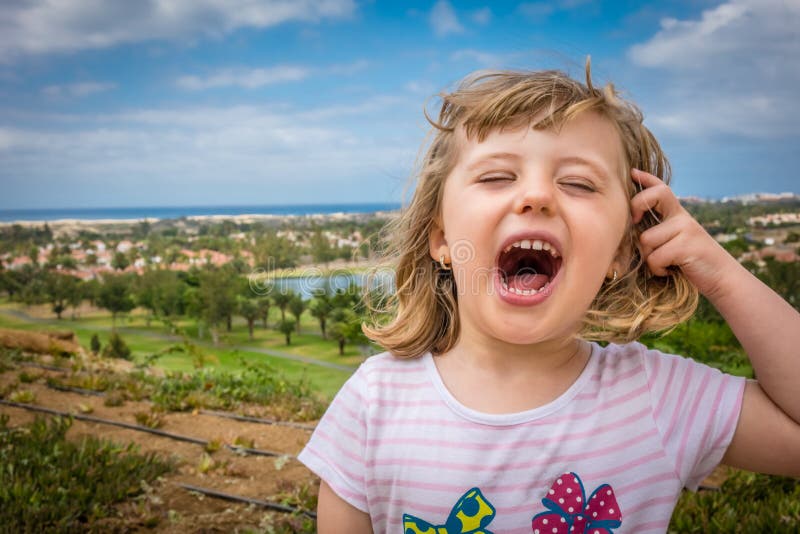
column 583, row 186
column 496, row 178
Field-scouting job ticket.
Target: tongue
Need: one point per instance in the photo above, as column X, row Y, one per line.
column 528, row 281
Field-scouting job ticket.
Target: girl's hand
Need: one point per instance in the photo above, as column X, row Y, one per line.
column 678, row 240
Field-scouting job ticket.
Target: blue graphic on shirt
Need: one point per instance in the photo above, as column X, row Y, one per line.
column 470, row 515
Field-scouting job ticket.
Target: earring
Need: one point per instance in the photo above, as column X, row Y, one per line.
column 614, row 279
column 445, row 267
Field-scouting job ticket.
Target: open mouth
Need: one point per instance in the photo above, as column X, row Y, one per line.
column 527, row 266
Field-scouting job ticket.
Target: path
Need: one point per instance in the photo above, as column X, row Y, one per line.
column 19, row 314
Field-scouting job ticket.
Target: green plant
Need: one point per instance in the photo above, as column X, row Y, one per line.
column 151, row 419
column 746, row 502
column 49, row 484
column 24, row 396
column 117, row 348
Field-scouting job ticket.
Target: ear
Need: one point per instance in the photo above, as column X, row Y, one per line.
column 437, row 243
column 622, row 257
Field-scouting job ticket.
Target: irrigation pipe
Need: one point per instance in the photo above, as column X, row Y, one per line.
column 250, row 419
column 138, row 428
column 247, row 500
column 245, row 418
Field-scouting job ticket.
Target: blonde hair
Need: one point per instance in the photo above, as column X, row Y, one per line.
column 422, row 315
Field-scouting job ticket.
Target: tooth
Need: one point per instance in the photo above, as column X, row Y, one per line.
column 515, row 245
column 507, row 248
column 537, row 245
column 525, row 243
column 546, row 245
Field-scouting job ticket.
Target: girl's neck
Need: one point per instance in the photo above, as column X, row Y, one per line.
column 503, row 378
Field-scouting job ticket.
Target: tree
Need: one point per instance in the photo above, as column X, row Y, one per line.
column 120, row 261
column 61, row 289
column 117, row 348
column 297, row 306
column 94, row 344
column 160, row 291
column 321, row 307
column 264, row 304
column 115, row 296
column 345, row 327
column 217, row 297
column 321, row 249
column 287, row 327
column 248, row 308
column 282, row 300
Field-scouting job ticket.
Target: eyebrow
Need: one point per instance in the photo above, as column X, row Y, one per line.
column 493, row 156
column 598, row 168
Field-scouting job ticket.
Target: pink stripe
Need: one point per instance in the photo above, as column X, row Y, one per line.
column 339, row 428
column 662, row 397
column 733, row 418
column 713, row 413
column 471, row 468
column 343, row 474
column 337, row 444
column 349, row 412
column 609, row 383
column 407, row 403
column 687, row 378
column 661, row 477
column 651, row 379
column 493, row 445
column 385, row 385
column 690, row 422
column 627, row 466
column 393, row 370
column 660, row 526
column 666, row 499
column 593, row 410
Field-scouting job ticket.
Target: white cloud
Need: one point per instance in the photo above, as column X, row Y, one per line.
column 482, row 16
column 42, row 26
column 245, row 78
column 233, row 154
column 734, row 70
column 483, row 59
column 78, row 89
column 443, row 19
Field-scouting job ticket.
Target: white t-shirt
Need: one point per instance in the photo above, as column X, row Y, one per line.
column 635, row 428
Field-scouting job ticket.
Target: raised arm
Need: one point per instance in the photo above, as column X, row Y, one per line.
column 767, row 437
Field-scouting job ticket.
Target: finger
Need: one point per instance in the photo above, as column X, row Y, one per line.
column 645, row 178
column 658, row 198
column 661, row 258
column 659, row 235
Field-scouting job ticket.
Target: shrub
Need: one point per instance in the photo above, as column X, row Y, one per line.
column 117, row 348
column 49, row 484
column 94, row 344
column 746, row 502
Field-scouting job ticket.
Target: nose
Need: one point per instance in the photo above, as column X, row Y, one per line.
column 536, row 195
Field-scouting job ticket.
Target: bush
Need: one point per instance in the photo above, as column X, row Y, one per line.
column 49, row 484
column 94, row 344
column 117, row 348
column 746, row 502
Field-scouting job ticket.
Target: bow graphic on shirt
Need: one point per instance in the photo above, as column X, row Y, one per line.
column 571, row 513
column 470, row 515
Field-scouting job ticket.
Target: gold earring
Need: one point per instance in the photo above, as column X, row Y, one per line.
column 614, row 279
column 445, row 267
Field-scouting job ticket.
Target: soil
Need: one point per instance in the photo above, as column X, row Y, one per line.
column 165, row 506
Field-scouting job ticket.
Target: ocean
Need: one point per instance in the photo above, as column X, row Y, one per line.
column 176, row 212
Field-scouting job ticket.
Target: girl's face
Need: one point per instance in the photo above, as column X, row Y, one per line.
column 532, row 221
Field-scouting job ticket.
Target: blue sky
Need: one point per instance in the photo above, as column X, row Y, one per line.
column 187, row 102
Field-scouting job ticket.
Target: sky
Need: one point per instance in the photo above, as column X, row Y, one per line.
column 115, row 103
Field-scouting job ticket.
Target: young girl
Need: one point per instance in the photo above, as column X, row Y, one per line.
column 542, row 220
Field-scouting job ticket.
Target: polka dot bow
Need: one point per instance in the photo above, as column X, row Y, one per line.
column 569, row 512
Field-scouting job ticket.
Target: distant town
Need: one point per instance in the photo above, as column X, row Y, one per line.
column 753, row 227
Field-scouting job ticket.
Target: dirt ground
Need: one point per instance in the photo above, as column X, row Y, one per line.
column 165, row 506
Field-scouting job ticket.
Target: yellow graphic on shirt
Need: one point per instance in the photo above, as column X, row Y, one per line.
column 470, row 515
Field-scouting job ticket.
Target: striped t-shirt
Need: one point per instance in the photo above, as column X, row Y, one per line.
column 612, row 452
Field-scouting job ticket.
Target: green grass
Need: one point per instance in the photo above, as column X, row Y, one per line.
column 50, row 484
column 138, row 337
